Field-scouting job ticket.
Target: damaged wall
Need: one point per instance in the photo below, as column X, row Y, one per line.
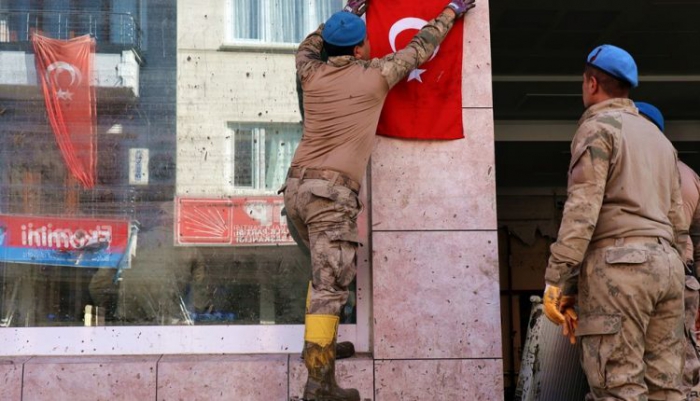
column 218, row 85
column 528, row 224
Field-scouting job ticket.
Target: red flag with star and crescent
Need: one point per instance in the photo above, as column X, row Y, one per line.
column 64, row 68
column 427, row 104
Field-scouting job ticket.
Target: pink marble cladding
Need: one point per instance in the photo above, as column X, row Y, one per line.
column 437, row 185
column 125, row 378
column 11, row 378
column 223, row 377
column 476, row 59
column 436, row 295
column 356, row 372
column 439, row 380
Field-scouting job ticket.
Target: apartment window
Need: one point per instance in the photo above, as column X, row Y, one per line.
column 261, row 155
column 277, row 21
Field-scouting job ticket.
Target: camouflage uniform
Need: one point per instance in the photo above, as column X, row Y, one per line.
column 690, row 191
column 343, row 99
column 691, row 369
column 326, row 216
column 615, row 248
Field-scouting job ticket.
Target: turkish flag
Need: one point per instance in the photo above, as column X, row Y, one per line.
column 64, row 68
column 428, row 103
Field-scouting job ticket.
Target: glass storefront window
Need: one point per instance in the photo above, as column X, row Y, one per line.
column 183, row 226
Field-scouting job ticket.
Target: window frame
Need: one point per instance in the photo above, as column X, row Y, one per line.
column 258, row 153
column 259, row 44
column 198, row 339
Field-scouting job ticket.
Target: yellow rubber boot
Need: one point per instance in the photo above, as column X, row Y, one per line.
column 319, row 358
column 343, row 349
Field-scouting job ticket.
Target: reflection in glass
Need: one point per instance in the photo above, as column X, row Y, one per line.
column 279, row 21
column 206, row 281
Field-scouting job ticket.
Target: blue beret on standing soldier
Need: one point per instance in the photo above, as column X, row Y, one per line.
column 616, row 256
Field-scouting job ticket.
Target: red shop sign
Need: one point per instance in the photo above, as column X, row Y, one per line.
column 239, row 221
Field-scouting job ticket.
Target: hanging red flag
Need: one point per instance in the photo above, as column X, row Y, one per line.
column 64, row 68
column 427, row 104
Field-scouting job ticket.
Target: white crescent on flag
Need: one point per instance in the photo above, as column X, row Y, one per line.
column 403, row 25
column 55, row 69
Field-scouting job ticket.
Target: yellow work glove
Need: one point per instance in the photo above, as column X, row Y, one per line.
column 551, row 302
column 559, row 310
column 566, row 308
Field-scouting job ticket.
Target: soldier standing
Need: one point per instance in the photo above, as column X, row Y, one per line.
column 343, row 98
column 617, row 248
column 690, row 192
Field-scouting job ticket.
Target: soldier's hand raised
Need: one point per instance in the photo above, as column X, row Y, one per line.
column 357, row 7
column 460, row 7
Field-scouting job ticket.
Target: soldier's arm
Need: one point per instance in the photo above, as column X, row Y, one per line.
column 591, row 153
column 396, row 66
column 676, row 215
column 309, row 54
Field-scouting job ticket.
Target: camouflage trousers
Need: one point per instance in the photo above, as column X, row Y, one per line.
column 631, row 322
column 691, row 369
column 325, row 216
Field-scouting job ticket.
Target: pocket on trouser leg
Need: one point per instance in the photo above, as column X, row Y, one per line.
column 344, row 200
column 599, row 339
column 347, row 265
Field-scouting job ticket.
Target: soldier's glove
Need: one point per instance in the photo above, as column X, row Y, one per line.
column 551, row 303
column 460, row 7
column 559, row 310
column 570, row 317
column 357, row 7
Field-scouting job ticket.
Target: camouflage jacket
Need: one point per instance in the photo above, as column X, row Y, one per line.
column 343, row 98
column 394, row 67
column 611, row 194
column 690, row 190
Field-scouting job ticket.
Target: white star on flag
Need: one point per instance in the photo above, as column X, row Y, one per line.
column 415, row 74
column 64, row 95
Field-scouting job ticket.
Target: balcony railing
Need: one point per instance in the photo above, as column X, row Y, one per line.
column 109, row 29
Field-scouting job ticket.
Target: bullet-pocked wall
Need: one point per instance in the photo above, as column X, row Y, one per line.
column 239, row 125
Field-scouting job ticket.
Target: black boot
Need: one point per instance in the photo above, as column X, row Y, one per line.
column 344, row 349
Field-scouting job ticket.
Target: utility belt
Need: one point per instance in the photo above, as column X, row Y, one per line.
column 334, row 177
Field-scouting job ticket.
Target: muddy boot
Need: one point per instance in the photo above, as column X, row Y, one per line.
column 343, row 350
column 319, row 358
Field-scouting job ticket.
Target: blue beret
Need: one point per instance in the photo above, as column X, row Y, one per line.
column 616, row 62
column 344, row 29
column 652, row 113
